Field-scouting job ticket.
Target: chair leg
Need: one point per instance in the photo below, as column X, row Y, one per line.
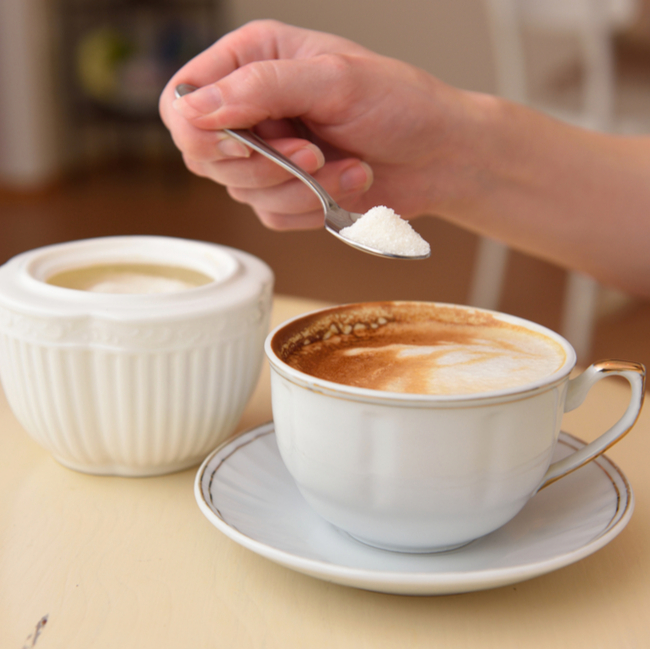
column 489, row 274
column 579, row 313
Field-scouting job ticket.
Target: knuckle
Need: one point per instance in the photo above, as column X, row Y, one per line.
column 340, row 72
column 196, row 151
column 269, row 219
column 199, row 146
column 237, row 194
column 262, row 28
column 338, row 66
column 257, row 75
column 245, row 89
column 195, row 167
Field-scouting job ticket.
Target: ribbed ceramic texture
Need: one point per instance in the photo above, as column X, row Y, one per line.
column 130, row 413
column 132, row 384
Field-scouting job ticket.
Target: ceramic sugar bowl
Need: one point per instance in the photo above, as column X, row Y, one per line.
column 132, row 356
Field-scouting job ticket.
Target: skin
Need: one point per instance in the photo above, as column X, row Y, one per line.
column 377, row 131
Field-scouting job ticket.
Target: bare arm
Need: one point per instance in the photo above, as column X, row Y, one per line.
column 376, row 131
column 574, row 197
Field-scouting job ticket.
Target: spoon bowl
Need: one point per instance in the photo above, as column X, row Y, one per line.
column 336, row 218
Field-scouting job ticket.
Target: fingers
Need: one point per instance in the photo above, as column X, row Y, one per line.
column 254, row 170
column 278, row 89
column 278, row 221
column 205, row 146
column 256, row 41
column 252, row 42
column 263, row 75
column 292, row 205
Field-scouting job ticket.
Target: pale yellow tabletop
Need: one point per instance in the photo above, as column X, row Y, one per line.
column 125, row 563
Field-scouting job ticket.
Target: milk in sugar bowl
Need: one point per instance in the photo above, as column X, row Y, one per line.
column 132, row 356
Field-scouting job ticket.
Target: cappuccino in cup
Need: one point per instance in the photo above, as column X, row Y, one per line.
column 419, row 427
column 420, row 348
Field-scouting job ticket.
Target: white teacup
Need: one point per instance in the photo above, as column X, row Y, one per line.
column 138, row 383
column 427, row 472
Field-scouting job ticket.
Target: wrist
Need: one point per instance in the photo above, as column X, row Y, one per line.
column 475, row 154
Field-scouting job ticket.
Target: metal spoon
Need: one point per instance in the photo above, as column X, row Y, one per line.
column 336, row 218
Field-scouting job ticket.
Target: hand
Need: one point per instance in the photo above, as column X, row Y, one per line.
column 570, row 196
column 342, row 113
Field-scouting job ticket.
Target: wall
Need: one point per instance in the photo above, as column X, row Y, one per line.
column 449, row 38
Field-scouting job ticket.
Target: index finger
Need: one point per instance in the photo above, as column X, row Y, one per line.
column 260, row 40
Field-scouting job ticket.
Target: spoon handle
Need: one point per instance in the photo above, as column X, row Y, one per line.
column 253, row 141
column 256, row 143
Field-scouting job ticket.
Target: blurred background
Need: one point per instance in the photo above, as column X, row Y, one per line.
column 84, row 154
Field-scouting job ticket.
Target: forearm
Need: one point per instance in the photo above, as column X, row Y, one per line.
column 576, row 198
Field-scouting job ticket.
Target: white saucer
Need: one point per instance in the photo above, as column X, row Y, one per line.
column 244, row 489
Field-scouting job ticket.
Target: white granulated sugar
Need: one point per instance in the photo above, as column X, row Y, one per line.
column 380, row 228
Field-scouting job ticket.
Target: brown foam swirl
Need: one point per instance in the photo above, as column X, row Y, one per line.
column 418, row 350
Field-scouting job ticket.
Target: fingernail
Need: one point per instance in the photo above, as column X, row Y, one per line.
column 201, row 102
column 357, row 177
column 232, row 148
column 304, row 157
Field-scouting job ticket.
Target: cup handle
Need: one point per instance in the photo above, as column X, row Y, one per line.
column 576, row 393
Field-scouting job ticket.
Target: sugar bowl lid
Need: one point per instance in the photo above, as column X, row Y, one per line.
column 234, row 278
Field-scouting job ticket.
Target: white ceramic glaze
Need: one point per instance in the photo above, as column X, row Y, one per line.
column 420, row 473
column 244, row 490
column 131, row 384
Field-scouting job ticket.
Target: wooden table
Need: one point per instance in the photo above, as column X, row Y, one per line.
column 113, row 562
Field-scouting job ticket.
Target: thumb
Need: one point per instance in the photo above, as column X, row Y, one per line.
column 324, row 89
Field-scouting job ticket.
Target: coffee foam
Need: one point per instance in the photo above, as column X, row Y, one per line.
column 418, row 348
